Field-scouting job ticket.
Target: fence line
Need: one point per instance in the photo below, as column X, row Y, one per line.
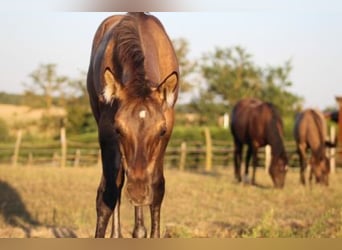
column 179, row 154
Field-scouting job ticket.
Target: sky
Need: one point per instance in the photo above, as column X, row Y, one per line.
column 309, row 35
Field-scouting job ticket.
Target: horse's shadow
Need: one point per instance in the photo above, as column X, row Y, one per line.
column 15, row 213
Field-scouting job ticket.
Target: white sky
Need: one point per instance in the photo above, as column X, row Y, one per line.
column 310, row 34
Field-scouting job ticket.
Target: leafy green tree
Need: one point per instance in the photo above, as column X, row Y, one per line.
column 45, row 82
column 187, row 66
column 231, row 75
column 79, row 116
column 275, row 89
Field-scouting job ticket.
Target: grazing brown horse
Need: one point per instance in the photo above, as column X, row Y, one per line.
column 257, row 124
column 133, row 85
column 310, row 133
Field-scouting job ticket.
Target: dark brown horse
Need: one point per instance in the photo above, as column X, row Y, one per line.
column 258, row 124
column 310, row 133
column 133, row 86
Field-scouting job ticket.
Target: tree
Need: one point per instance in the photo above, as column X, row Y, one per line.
column 80, row 118
column 45, row 82
column 187, row 67
column 275, row 89
column 231, row 75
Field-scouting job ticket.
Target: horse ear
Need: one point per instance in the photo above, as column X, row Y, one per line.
column 168, row 89
column 112, row 88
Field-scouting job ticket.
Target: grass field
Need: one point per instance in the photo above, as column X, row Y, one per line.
column 50, row 202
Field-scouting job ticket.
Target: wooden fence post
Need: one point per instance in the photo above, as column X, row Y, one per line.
column 55, row 158
column 208, row 150
column 267, row 157
column 182, row 156
column 63, row 148
column 332, row 150
column 17, row 148
column 30, row 160
column 77, row 158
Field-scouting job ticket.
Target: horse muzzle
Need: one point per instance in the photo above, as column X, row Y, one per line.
column 139, row 193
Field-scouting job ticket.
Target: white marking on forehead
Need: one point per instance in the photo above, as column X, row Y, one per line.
column 142, row 114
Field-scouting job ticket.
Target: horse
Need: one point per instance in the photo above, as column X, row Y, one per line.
column 257, row 124
column 132, row 84
column 310, row 133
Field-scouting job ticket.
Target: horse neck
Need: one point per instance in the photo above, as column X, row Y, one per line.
column 318, row 151
column 277, row 145
column 275, row 140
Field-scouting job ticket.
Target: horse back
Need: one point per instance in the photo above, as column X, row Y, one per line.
column 254, row 121
column 244, row 125
column 310, row 128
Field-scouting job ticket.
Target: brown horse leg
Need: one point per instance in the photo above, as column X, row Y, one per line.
column 116, row 227
column 255, row 164
column 103, row 210
column 237, row 161
column 302, row 159
column 139, row 230
column 248, row 159
column 107, row 193
column 155, row 208
column 311, row 176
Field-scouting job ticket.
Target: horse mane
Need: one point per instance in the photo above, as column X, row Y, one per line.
column 278, row 145
column 128, row 56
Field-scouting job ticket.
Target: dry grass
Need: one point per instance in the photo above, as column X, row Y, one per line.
column 26, row 118
column 51, row 202
column 16, row 113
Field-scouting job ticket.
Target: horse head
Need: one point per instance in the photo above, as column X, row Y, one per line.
column 143, row 124
column 320, row 168
column 278, row 170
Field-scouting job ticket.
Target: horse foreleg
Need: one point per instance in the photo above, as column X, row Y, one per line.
column 311, row 176
column 139, row 230
column 237, row 161
column 155, row 208
column 116, row 226
column 248, row 158
column 105, row 202
column 302, row 160
column 107, row 193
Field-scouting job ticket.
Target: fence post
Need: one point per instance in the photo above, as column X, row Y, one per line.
column 182, row 156
column 208, row 150
column 77, row 158
column 332, row 150
column 55, row 158
column 63, row 147
column 17, row 148
column 30, row 160
column 267, row 157
column 226, row 121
